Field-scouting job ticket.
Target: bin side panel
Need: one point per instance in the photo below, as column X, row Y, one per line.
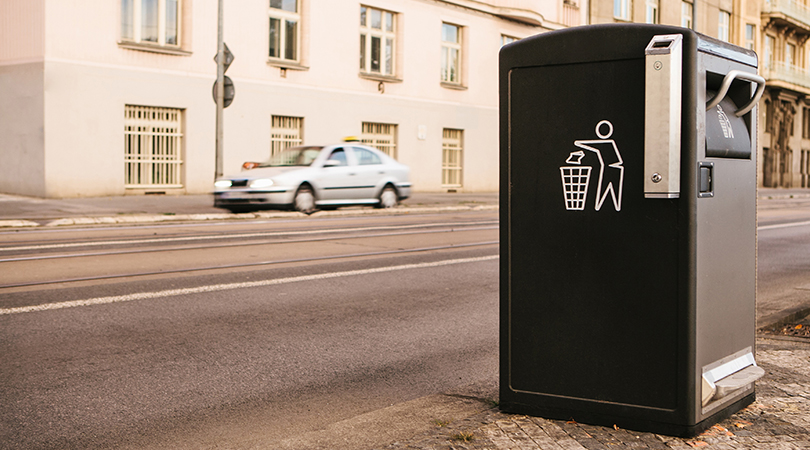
column 593, row 295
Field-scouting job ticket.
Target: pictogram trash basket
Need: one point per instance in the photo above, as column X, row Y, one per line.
column 628, row 227
column 575, row 186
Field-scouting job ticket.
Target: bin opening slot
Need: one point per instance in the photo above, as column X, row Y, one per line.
column 727, row 134
column 723, row 378
column 663, row 44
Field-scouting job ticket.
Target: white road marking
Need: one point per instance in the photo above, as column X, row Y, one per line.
column 235, row 236
column 230, row 286
column 784, row 225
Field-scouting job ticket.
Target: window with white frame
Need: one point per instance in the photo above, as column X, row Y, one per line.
column 686, row 14
column 451, row 53
column 805, row 123
column 377, row 41
column 723, row 24
column 285, row 20
column 153, row 140
column 155, row 22
column 621, row 9
column 452, row 157
column 382, row 136
column 790, row 54
column 750, row 36
column 770, row 45
column 285, row 132
column 652, row 11
column 507, row 39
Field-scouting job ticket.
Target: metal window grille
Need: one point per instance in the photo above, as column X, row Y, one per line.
column 452, row 158
column 285, row 132
column 153, row 139
column 383, row 136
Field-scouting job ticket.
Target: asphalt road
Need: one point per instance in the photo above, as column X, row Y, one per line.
column 184, row 337
column 240, row 335
column 783, row 259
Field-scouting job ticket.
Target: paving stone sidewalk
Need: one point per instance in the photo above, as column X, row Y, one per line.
column 779, row 419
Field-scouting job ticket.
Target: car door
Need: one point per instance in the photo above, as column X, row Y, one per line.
column 337, row 182
column 370, row 171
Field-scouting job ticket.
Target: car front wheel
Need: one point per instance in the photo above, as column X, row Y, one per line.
column 304, row 200
column 388, row 197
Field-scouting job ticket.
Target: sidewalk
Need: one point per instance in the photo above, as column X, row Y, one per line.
column 19, row 211
column 778, row 419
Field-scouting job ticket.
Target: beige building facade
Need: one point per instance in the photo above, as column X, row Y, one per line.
column 778, row 31
column 785, row 109
column 115, row 97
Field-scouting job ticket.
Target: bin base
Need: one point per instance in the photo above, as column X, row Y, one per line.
column 664, row 428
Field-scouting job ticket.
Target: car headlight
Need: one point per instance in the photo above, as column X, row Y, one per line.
column 261, row 183
column 223, row 183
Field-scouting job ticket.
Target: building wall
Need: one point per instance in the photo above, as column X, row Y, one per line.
column 22, row 148
column 22, row 37
column 70, row 140
column 783, row 143
column 785, row 135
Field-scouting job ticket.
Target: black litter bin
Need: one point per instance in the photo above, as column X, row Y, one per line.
column 628, row 227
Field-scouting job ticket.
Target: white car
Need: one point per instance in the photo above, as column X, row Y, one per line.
column 306, row 178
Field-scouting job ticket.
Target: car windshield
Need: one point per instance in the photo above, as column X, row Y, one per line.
column 296, row 156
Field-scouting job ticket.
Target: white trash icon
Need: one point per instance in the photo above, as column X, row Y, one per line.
column 576, row 177
column 575, row 180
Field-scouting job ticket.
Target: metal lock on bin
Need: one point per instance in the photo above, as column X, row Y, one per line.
column 628, row 227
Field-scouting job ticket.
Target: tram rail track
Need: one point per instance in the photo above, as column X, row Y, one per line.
column 86, row 258
column 231, row 236
column 233, row 244
column 249, row 264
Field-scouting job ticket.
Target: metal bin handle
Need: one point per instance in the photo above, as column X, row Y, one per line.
column 727, row 84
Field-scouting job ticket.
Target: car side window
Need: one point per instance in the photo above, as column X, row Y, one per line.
column 340, row 156
column 365, row 157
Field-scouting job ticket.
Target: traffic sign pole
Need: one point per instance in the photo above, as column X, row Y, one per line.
column 220, row 91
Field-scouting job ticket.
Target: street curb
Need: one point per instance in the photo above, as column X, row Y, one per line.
column 781, row 196
column 784, row 317
column 17, row 224
column 160, row 218
column 399, row 422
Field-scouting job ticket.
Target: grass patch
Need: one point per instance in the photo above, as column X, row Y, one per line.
column 441, row 423
column 463, row 436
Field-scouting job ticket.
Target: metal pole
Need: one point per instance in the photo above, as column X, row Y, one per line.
column 220, row 89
